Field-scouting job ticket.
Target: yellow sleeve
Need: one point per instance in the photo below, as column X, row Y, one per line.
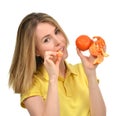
column 35, row 90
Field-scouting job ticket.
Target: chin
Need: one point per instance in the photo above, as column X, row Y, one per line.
column 65, row 55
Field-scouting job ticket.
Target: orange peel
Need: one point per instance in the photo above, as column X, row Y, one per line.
column 97, row 49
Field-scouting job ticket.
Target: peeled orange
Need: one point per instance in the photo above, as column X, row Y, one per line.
column 83, row 42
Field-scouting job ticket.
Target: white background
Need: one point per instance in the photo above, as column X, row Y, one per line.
column 91, row 17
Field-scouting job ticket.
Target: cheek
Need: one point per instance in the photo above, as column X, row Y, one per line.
column 65, row 54
column 39, row 51
column 43, row 49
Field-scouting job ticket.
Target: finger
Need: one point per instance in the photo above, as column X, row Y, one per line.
column 59, row 58
column 48, row 60
column 50, row 53
column 82, row 57
column 55, row 57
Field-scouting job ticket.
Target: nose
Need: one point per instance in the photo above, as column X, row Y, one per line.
column 57, row 41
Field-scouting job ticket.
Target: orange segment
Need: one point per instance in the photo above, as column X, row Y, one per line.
column 59, row 54
column 98, row 60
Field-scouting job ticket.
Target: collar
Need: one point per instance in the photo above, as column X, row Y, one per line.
column 70, row 70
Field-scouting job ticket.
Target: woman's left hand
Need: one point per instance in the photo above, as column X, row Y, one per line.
column 87, row 61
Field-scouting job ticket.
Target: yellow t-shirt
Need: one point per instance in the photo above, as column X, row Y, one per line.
column 73, row 90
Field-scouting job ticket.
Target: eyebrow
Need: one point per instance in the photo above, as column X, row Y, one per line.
column 45, row 37
column 49, row 34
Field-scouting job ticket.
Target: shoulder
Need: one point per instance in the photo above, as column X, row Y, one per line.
column 75, row 67
column 37, row 88
column 78, row 70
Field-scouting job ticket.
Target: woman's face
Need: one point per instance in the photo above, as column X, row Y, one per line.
column 50, row 38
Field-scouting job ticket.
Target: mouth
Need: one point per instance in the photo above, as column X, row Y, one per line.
column 61, row 49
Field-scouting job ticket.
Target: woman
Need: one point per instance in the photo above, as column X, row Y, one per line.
column 48, row 85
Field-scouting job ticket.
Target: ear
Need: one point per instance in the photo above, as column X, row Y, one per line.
column 37, row 52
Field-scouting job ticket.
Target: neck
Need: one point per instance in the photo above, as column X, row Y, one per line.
column 62, row 69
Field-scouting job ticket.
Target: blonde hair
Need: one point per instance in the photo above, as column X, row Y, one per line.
column 24, row 62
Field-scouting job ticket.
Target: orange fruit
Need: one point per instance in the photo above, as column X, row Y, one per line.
column 83, row 42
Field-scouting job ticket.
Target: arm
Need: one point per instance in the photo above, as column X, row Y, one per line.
column 35, row 105
column 52, row 101
column 51, row 62
column 97, row 105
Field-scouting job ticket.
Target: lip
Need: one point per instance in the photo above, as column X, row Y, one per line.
column 61, row 49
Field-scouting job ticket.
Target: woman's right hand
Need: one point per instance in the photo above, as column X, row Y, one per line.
column 51, row 63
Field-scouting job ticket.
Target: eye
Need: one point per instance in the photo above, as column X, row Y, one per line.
column 57, row 31
column 46, row 40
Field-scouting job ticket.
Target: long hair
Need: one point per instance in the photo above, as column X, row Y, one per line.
column 25, row 62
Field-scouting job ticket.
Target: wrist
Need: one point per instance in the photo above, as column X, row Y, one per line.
column 91, row 74
column 53, row 80
column 92, row 79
